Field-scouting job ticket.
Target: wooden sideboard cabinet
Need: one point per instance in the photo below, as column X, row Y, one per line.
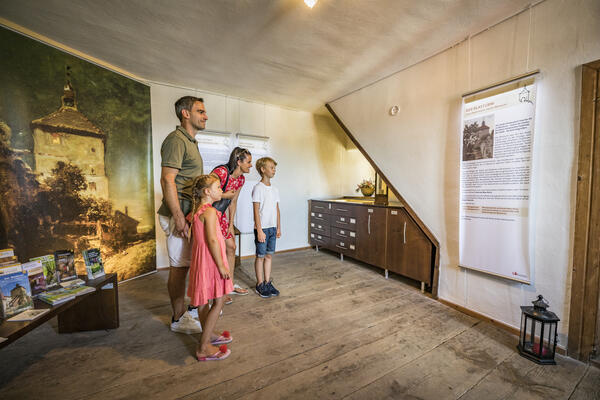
column 371, row 234
column 383, row 236
column 409, row 251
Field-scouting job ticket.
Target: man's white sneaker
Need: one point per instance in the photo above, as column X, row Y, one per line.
column 186, row 324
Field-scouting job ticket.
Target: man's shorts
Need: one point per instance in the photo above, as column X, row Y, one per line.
column 268, row 246
column 178, row 247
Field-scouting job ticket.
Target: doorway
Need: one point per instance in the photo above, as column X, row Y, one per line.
column 584, row 318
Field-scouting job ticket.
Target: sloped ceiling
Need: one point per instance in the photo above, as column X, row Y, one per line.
column 278, row 51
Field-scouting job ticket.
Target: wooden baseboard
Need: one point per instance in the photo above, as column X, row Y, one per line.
column 511, row 329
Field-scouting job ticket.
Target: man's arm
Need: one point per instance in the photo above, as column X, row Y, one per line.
column 167, row 183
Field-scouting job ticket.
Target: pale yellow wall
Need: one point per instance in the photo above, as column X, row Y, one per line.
column 419, row 148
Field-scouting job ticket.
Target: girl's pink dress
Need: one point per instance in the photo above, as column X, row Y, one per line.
column 205, row 281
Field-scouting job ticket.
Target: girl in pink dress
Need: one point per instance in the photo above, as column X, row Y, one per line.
column 210, row 278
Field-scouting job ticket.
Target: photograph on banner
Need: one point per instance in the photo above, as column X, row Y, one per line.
column 495, row 175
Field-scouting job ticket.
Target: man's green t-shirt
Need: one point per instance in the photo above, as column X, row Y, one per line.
column 180, row 150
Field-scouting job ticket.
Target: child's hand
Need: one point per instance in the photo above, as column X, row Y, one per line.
column 261, row 236
column 278, row 232
column 224, row 273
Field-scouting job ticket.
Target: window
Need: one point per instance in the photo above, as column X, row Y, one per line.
column 215, row 148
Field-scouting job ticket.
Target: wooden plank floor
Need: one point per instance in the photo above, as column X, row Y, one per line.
column 338, row 330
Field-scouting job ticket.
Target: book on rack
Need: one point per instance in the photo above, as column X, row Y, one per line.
column 50, row 272
column 8, row 260
column 72, row 283
column 81, row 290
column 65, row 265
column 28, row 315
column 7, row 253
column 35, row 273
column 15, row 294
column 57, row 296
column 93, row 263
column 10, row 268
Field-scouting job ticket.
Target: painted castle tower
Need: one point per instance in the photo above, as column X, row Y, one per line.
column 67, row 135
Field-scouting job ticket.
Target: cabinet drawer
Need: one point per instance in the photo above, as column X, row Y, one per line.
column 317, row 216
column 343, row 234
column 343, row 209
column 343, row 246
column 320, row 207
column 319, row 227
column 343, row 222
column 319, row 240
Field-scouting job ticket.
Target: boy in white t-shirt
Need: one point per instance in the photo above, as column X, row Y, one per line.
column 267, row 226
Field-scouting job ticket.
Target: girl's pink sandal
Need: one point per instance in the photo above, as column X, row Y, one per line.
column 224, row 338
column 222, row 354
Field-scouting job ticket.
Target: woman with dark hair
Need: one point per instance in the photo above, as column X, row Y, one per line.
column 232, row 179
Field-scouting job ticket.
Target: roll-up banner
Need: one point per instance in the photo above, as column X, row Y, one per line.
column 495, row 176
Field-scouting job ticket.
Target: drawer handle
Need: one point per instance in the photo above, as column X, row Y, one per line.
column 370, row 210
column 394, row 212
column 311, row 224
column 312, row 214
column 312, row 235
column 352, row 221
column 369, row 223
column 342, row 219
column 351, row 247
column 352, row 234
column 404, row 232
column 320, row 237
column 342, row 244
column 343, row 209
column 319, row 226
column 342, row 232
column 320, row 215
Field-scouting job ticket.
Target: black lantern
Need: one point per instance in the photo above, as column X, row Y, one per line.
column 538, row 332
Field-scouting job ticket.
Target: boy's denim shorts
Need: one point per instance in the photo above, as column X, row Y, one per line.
column 268, row 246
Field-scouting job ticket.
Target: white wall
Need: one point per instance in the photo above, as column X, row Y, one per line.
column 418, row 150
column 313, row 155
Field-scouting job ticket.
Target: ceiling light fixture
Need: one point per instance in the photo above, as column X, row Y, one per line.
column 310, row 3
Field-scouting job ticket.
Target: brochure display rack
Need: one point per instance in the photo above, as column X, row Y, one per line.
column 91, row 311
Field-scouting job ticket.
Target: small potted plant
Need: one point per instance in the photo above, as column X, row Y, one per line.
column 367, row 187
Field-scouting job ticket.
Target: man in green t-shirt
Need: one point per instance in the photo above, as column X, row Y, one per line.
column 181, row 162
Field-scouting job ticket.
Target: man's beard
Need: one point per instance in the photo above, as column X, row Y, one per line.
column 198, row 127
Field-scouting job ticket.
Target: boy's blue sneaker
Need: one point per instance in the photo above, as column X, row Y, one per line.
column 263, row 290
column 273, row 292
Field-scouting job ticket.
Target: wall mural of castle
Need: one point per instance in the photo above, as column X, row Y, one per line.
column 75, row 158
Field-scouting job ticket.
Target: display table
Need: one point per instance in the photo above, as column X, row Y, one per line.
column 92, row 311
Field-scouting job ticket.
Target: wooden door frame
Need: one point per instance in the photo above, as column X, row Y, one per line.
column 585, row 280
